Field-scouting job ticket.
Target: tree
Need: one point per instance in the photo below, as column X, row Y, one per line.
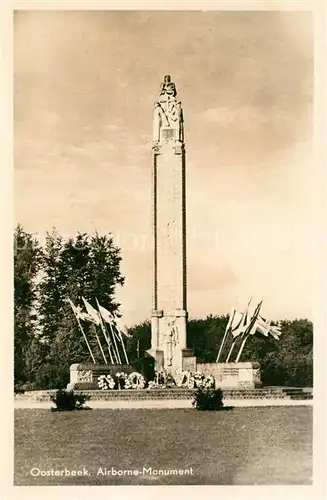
column 140, row 340
column 205, row 335
column 84, row 266
column 27, row 261
column 50, row 287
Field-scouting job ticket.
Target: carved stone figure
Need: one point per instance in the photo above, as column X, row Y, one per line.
column 171, row 338
column 168, row 115
column 168, row 87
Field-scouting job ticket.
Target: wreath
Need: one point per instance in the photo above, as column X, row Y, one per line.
column 106, row 382
column 208, row 382
column 135, row 381
column 186, row 379
column 121, row 378
column 198, row 379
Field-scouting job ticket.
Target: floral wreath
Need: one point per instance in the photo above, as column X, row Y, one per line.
column 208, row 382
column 121, row 378
column 106, row 382
column 204, row 381
column 186, row 379
column 135, row 381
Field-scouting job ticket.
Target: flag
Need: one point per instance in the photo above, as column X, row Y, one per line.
column 266, row 328
column 239, row 324
column 120, row 327
column 106, row 315
column 241, row 321
column 80, row 315
column 92, row 314
column 77, row 311
column 263, row 326
column 275, row 332
column 252, row 325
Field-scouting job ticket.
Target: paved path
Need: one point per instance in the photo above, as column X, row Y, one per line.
column 172, row 403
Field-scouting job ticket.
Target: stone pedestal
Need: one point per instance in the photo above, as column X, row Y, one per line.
column 86, row 374
column 168, row 341
column 233, row 375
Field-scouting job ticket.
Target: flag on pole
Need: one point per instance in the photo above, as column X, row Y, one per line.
column 105, row 314
column 252, row 325
column 79, row 315
column 239, row 323
column 240, row 328
column 77, row 311
column 265, row 327
column 121, row 327
column 92, row 314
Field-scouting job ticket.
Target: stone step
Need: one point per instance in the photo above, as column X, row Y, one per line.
column 172, row 393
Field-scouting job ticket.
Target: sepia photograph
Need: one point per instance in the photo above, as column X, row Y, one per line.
column 165, row 198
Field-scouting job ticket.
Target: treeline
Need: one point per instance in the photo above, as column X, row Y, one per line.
column 47, row 339
column 288, row 361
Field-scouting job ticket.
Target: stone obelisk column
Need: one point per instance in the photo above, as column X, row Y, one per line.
column 169, row 308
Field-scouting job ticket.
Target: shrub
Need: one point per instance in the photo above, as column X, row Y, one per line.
column 19, row 389
column 208, row 399
column 68, row 401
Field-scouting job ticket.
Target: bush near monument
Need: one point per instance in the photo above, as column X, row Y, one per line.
column 68, row 401
column 208, row 399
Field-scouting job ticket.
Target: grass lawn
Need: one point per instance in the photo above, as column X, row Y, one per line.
column 267, row 445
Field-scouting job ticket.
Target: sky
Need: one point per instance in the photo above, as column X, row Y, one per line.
column 85, row 83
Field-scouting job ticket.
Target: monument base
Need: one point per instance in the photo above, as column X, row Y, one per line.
column 85, row 375
column 233, row 375
column 188, row 360
column 226, row 375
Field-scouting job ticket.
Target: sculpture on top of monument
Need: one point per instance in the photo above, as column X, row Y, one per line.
column 168, row 116
column 168, row 87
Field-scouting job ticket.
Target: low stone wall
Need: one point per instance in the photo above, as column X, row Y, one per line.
column 233, row 375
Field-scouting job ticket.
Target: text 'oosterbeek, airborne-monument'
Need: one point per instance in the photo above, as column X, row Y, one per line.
column 169, row 307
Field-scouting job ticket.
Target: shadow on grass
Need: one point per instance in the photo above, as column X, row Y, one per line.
column 71, row 409
column 224, row 408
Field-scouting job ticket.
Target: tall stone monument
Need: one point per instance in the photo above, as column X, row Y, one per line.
column 169, row 306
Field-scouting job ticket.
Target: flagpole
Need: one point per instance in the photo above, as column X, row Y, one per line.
column 113, row 346
column 229, row 324
column 221, row 345
column 241, row 349
column 104, row 331
column 116, row 352
column 123, row 345
column 231, row 349
column 114, row 337
column 83, row 333
column 101, row 349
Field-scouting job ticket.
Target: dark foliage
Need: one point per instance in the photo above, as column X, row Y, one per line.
column 27, row 262
column 208, row 399
column 68, row 401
